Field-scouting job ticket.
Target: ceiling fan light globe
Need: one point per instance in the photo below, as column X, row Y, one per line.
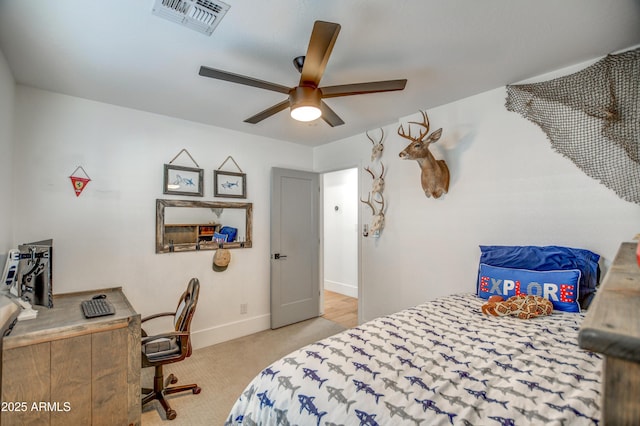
column 305, row 113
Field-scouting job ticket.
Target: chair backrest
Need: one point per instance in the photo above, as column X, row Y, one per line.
column 186, row 308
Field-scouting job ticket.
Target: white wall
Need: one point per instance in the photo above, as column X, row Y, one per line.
column 7, row 100
column 340, row 189
column 507, row 187
column 106, row 236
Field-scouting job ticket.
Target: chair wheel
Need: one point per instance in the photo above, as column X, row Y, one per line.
column 197, row 390
column 171, row 414
column 172, row 379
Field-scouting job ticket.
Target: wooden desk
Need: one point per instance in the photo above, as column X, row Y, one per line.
column 64, row 369
column 612, row 328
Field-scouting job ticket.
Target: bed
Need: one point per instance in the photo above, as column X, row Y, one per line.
column 442, row 362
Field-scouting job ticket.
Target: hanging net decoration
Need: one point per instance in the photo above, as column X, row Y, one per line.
column 592, row 117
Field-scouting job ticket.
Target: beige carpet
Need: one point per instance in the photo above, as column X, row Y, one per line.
column 224, row 370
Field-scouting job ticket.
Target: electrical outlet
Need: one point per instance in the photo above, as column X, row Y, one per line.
column 244, row 307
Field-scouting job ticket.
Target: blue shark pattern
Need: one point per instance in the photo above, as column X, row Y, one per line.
column 264, row 400
column 466, row 375
column 402, row 348
column 506, row 367
column 361, row 351
column 366, row 368
column 269, row 372
column 366, row 419
column 534, row 385
column 453, row 359
column 407, row 361
column 306, row 403
column 503, row 421
column 483, row 395
column 428, row 404
column 439, row 363
column 367, row 389
column 575, row 411
column 417, row 380
column 316, row 355
column 397, row 336
column 314, row 376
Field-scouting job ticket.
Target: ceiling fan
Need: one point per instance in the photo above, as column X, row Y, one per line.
column 306, row 99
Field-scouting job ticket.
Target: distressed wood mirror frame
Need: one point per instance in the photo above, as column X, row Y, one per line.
column 166, row 244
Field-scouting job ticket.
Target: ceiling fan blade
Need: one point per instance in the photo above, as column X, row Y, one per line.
column 268, row 112
column 330, row 116
column 241, row 79
column 362, row 88
column 323, row 37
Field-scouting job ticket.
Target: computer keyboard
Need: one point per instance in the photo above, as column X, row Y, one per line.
column 97, row 308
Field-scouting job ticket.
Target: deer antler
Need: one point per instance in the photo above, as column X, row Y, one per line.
column 368, row 202
column 424, row 123
column 374, row 142
column 378, row 182
column 368, row 169
column 378, row 147
column 370, row 172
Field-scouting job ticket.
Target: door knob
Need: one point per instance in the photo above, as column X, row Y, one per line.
column 279, row 256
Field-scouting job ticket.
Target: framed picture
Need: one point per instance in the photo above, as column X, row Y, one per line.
column 229, row 184
column 180, row 180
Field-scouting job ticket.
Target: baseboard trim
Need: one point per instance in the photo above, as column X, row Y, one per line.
column 342, row 288
column 230, row 331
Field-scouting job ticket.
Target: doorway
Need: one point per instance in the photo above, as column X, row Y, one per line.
column 340, row 246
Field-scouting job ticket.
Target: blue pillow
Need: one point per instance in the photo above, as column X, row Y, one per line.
column 548, row 258
column 560, row 287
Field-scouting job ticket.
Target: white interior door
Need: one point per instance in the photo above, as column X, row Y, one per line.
column 295, row 241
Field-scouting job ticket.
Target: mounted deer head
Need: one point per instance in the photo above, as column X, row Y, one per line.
column 377, row 221
column 378, row 147
column 377, row 186
column 435, row 173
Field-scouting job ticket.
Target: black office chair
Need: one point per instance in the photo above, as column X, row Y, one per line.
column 167, row 348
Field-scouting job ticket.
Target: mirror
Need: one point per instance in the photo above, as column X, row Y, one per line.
column 183, row 225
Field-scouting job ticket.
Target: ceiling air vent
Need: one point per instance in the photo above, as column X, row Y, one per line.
column 200, row 15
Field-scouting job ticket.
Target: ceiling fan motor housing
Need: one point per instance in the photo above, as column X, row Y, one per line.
column 306, row 98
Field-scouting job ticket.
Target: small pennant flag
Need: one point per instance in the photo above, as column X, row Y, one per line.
column 79, row 184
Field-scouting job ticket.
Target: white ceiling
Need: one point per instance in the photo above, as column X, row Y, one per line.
column 117, row 51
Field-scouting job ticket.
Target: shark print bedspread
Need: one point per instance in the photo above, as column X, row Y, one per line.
column 440, row 363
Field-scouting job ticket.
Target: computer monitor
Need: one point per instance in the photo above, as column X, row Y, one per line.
column 35, row 272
